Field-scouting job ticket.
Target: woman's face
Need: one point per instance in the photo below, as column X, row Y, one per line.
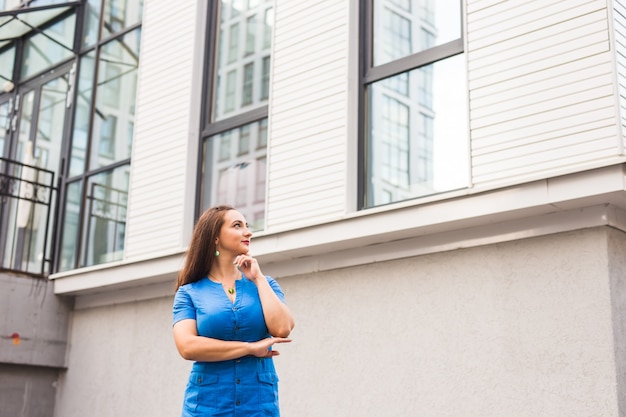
column 234, row 236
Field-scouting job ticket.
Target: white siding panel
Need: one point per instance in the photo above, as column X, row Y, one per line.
column 542, row 89
column 587, row 122
column 157, row 185
column 308, row 113
column 540, row 150
column 550, row 120
column 527, row 106
column 514, row 18
column 619, row 23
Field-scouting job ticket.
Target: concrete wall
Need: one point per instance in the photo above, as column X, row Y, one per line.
column 33, row 343
column 27, row 391
column 524, row 328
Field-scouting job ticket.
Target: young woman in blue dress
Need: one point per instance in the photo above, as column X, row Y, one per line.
column 227, row 318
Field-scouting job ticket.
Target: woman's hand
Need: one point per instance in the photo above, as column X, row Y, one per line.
column 248, row 266
column 261, row 349
column 278, row 318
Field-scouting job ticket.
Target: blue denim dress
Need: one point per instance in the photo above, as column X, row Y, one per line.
column 247, row 386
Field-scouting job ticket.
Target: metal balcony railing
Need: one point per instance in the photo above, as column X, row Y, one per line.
column 27, row 196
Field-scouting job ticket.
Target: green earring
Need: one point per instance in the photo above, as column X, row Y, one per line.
column 217, row 253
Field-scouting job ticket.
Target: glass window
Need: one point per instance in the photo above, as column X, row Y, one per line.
column 233, row 42
column 240, row 74
column 396, row 23
column 70, row 229
column 234, row 169
column 265, row 79
column 41, row 52
column 248, row 84
column 268, row 26
column 91, row 22
column 235, row 149
column 250, row 35
column 416, row 138
column 5, row 121
column 105, row 219
column 96, row 192
column 120, row 14
column 7, row 62
column 82, row 117
column 115, row 101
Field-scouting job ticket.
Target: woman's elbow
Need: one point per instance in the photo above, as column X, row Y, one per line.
column 184, row 353
column 282, row 331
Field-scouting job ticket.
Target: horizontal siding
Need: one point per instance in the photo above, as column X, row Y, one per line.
column 619, row 24
column 541, row 88
column 308, row 113
column 159, row 162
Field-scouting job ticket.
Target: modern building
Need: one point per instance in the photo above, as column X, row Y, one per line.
column 439, row 187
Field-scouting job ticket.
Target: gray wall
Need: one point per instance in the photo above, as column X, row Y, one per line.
column 29, row 369
column 524, row 328
column 27, row 391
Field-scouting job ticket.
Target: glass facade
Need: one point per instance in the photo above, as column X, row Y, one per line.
column 416, row 137
column 235, row 134
column 96, row 190
column 71, row 112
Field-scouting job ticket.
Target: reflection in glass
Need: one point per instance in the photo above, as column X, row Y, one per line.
column 25, row 209
column 120, row 14
column 115, row 101
column 418, row 144
column 403, row 28
column 71, row 221
column 91, row 22
column 80, row 134
column 26, row 119
column 9, row 4
column 40, row 52
column 234, row 171
column 105, row 216
column 243, row 34
column 4, row 124
column 7, row 62
column 50, row 122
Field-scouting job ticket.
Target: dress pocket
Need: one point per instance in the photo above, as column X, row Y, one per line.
column 268, row 393
column 201, row 395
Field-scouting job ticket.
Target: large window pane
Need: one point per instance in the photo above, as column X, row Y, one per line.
column 402, row 28
column 80, row 135
column 234, row 171
column 115, row 101
column 120, row 14
column 91, row 22
column 244, row 37
column 9, row 4
column 7, row 62
column 5, row 121
column 70, row 229
column 105, row 216
column 41, row 52
column 417, row 143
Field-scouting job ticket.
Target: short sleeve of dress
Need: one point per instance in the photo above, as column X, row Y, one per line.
column 183, row 306
column 277, row 290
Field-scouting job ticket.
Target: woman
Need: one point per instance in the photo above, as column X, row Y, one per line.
column 227, row 318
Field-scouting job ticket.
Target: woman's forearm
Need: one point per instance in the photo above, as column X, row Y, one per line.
column 205, row 349
column 278, row 318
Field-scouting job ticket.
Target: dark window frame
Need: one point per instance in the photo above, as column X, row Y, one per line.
column 208, row 127
column 370, row 74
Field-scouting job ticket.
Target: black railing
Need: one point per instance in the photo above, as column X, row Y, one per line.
column 26, row 205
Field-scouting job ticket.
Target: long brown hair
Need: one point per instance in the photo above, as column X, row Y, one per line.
column 201, row 251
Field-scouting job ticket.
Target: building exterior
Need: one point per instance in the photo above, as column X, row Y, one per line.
column 438, row 187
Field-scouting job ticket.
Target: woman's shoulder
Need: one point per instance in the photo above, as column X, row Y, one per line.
column 193, row 286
